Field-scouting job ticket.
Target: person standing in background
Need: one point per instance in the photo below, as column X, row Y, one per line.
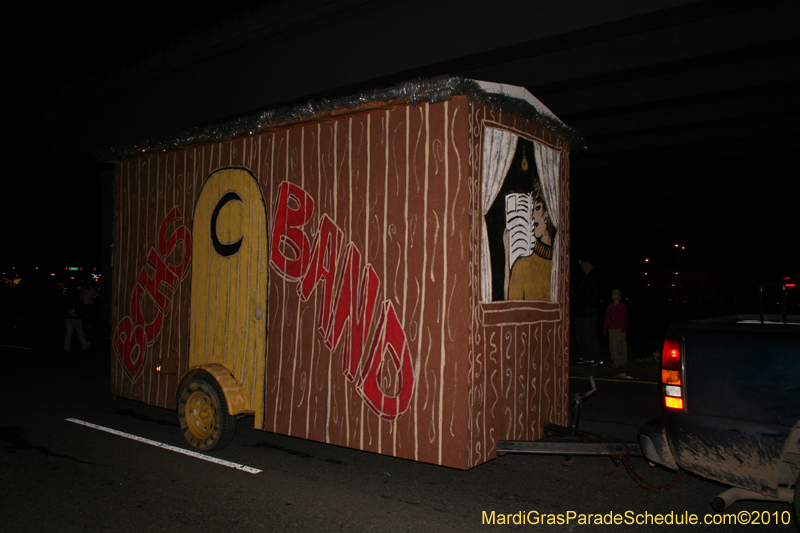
column 88, row 295
column 615, row 327
column 73, row 320
column 586, row 301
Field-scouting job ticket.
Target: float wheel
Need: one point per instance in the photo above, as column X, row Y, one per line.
column 203, row 415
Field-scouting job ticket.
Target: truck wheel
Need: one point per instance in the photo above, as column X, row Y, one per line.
column 203, row 415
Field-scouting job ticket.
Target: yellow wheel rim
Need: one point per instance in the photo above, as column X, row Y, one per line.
column 200, row 415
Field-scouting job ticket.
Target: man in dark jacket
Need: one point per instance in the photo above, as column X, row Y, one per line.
column 73, row 321
column 586, row 303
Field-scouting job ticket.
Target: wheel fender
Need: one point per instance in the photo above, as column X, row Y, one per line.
column 234, row 397
column 791, row 450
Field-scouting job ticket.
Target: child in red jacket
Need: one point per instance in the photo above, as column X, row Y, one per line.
column 615, row 326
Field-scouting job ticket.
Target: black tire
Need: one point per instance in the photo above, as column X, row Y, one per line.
column 203, row 415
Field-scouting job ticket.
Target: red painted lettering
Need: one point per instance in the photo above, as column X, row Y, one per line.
column 133, row 333
column 389, row 340
column 385, row 378
column 162, row 276
column 322, row 267
column 352, row 318
column 287, row 237
column 130, row 344
column 167, row 244
column 152, row 329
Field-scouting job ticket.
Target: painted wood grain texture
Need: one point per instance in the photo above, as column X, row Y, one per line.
column 402, row 186
column 519, row 366
column 381, row 177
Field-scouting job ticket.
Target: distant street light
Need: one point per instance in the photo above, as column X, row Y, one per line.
column 679, row 247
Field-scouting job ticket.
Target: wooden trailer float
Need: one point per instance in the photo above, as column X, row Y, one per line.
column 388, row 272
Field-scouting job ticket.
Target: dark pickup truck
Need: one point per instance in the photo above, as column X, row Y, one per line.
column 731, row 398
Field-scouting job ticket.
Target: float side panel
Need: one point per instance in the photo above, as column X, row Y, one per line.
column 154, row 206
column 519, row 369
column 394, row 183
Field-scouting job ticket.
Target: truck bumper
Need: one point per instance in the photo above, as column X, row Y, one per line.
column 653, row 440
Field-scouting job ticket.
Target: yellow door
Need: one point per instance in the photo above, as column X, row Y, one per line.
column 229, row 281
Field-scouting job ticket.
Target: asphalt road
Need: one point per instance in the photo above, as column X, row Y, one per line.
column 61, row 476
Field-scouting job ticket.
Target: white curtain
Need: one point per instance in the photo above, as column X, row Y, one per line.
column 548, row 163
column 498, row 151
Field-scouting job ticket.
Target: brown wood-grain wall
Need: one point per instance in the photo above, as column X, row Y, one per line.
column 402, row 183
column 382, row 177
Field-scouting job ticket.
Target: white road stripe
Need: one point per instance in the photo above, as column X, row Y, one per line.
column 157, row 444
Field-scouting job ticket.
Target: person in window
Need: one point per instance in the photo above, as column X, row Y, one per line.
column 529, row 277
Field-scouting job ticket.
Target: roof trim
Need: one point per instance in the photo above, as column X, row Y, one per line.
column 507, row 98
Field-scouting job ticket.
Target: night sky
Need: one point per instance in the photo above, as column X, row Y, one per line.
column 52, row 202
column 731, row 204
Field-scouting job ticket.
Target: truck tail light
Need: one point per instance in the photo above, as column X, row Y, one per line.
column 673, row 403
column 671, row 354
column 671, row 370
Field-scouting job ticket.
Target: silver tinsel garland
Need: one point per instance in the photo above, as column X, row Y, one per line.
column 431, row 90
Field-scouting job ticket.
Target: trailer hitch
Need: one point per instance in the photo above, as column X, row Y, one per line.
column 575, row 442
